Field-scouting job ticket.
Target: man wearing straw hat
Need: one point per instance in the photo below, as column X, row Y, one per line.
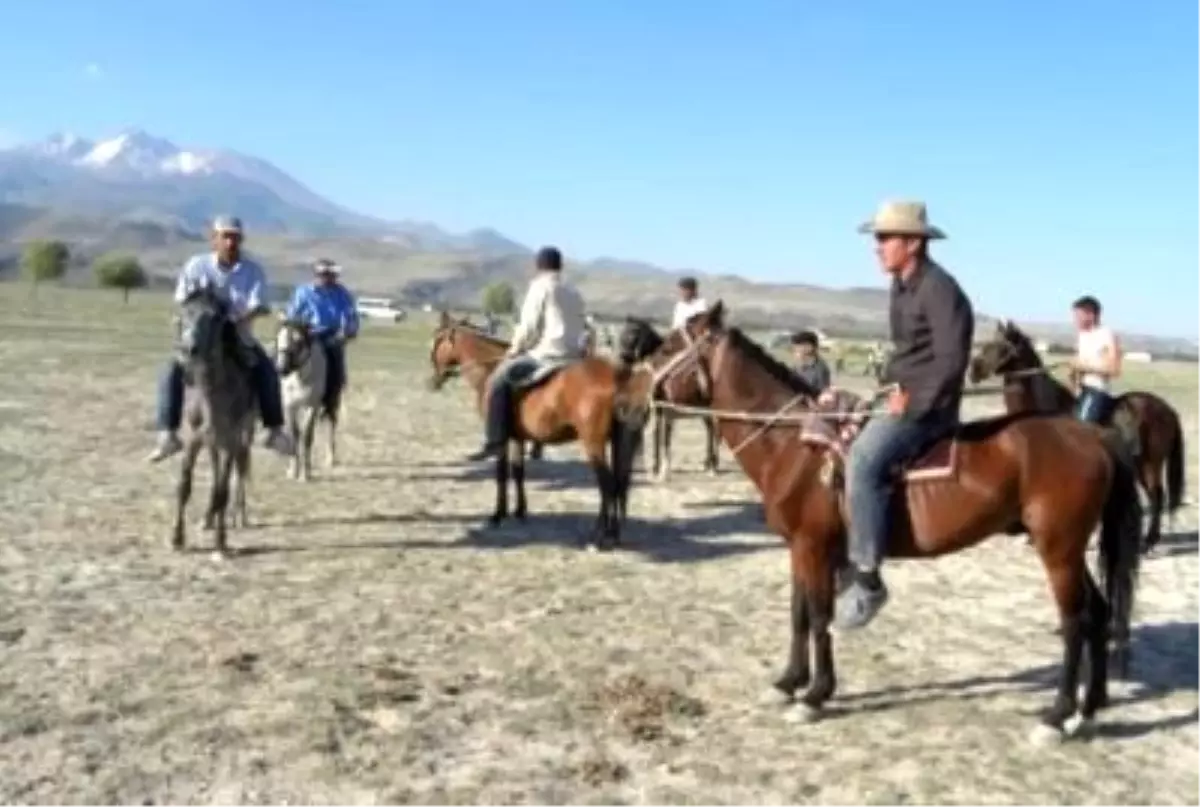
column 328, row 308
column 932, row 325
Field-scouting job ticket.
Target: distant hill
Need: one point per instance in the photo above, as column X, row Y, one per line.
column 141, row 193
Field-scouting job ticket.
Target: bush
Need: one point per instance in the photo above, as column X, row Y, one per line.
column 43, row 261
column 120, row 272
column 499, row 298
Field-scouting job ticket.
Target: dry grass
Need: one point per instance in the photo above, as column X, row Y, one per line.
column 376, row 645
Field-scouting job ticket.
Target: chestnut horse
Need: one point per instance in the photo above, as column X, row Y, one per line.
column 583, row 401
column 1029, row 386
column 638, row 340
column 1056, row 475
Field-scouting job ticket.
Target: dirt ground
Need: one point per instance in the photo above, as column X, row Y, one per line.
column 377, row 645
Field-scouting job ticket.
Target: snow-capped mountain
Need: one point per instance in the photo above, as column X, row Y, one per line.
column 138, row 175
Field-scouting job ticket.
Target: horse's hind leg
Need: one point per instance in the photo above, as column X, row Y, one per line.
column 331, row 453
column 220, row 500
column 1152, row 480
column 501, row 511
column 211, row 513
column 183, row 492
column 606, row 532
column 712, row 445
column 310, row 434
column 516, row 457
column 1096, row 630
column 242, row 468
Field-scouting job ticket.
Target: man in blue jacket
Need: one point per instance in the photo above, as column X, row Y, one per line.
column 330, row 311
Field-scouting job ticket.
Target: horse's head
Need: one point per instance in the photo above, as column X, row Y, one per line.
column 637, row 340
column 1009, row 350
column 680, row 361
column 293, row 346
column 204, row 325
column 445, row 352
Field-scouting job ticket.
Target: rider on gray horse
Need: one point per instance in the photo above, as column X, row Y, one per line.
column 328, row 308
column 242, row 284
column 552, row 328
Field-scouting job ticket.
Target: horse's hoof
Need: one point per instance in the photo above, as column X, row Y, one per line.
column 801, row 713
column 1078, row 726
column 1044, row 735
column 774, row 697
column 220, row 555
column 205, row 524
column 176, row 544
column 521, row 514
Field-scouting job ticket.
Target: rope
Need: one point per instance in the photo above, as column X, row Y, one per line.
column 769, row 422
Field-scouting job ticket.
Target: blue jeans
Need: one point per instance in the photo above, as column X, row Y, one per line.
column 263, row 377
column 500, row 392
column 1093, row 405
column 885, row 442
column 335, row 371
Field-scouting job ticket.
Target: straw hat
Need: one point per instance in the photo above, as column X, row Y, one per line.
column 901, row 218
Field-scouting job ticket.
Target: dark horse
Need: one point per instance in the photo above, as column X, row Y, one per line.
column 220, row 415
column 637, row 340
column 1056, row 475
column 584, row 401
column 1158, row 438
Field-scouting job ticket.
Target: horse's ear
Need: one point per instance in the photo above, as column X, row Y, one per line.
column 716, row 314
column 444, row 320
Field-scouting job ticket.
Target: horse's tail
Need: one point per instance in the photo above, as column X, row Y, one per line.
column 1175, row 463
column 1121, row 550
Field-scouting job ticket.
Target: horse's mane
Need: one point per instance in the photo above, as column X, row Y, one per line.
column 475, row 330
column 777, row 369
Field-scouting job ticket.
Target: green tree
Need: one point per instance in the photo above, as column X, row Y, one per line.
column 120, row 272
column 499, row 298
column 43, row 261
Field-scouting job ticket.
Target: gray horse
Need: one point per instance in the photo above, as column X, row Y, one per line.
column 220, row 413
column 300, row 359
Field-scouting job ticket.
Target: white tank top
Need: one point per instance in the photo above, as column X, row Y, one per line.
column 1090, row 349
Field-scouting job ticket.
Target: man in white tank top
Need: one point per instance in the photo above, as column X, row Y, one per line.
column 1097, row 361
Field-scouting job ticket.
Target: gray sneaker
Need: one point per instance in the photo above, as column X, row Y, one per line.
column 280, row 442
column 857, row 605
column 168, row 445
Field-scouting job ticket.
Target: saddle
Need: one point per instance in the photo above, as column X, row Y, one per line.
column 839, row 417
column 525, row 380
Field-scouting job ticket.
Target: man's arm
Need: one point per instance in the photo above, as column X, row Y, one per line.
column 298, row 308
column 256, row 305
column 952, row 325
column 350, row 321
column 531, row 317
column 189, row 276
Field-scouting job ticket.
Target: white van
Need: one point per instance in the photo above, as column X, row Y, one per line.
column 380, row 308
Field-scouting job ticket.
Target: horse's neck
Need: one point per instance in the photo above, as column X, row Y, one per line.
column 1039, row 392
column 220, row 382
column 757, row 444
column 312, row 369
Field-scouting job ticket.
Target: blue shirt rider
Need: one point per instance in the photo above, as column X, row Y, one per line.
column 242, row 282
column 331, row 312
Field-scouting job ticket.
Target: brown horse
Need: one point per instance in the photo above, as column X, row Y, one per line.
column 637, row 341
column 1029, row 386
column 1056, row 475
column 584, row 401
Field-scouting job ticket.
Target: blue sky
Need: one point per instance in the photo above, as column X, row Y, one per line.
column 1055, row 142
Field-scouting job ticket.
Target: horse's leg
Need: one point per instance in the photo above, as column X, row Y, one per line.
column 1152, row 481
column 668, row 428
column 516, row 450
column 501, row 510
column 331, row 453
column 293, row 427
column 656, row 464
column 241, row 464
column 816, row 570
column 714, row 445
column 220, row 500
column 183, row 491
column 210, row 515
column 796, row 674
column 1068, row 582
column 606, row 532
column 535, row 450
column 310, row 434
column 1096, row 632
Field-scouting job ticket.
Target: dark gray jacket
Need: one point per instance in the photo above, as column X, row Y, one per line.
column 815, row 374
column 932, row 326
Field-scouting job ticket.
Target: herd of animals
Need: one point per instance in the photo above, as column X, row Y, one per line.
column 1034, row 470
